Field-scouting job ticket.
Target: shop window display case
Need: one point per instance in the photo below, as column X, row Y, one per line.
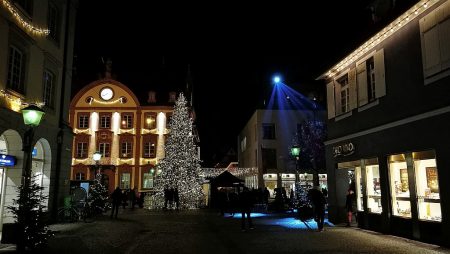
column 359, row 189
column 398, row 173
column 427, row 186
column 373, row 186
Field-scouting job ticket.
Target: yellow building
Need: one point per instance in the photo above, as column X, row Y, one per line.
column 107, row 117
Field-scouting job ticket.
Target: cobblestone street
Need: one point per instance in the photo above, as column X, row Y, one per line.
column 203, row 231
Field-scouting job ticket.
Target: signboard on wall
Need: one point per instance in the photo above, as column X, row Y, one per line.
column 7, row 160
column 345, row 149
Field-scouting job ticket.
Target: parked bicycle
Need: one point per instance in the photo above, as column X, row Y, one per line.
column 76, row 208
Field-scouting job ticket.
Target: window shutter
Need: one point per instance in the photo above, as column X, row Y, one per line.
column 431, row 50
column 380, row 83
column 330, row 100
column 361, row 78
column 430, row 44
column 444, row 39
column 352, row 88
column 337, row 97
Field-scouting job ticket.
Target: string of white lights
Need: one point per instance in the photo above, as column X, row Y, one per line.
column 213, row 172
column 390, row 29
column 27, row 25
column 16, row 102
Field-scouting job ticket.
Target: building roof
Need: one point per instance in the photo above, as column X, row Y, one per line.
column 378, row 38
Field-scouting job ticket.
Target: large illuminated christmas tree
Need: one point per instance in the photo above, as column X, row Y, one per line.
column 180, row 169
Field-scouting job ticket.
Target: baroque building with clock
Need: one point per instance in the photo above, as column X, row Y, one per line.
column 129, row 132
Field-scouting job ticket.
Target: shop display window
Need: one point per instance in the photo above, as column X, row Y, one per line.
column 373, row 186
column 427, row 186
column 398, row 173
column 359, row 189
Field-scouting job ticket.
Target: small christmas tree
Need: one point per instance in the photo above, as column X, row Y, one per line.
column 28, row 210
column 98, row 196
column 180, row 169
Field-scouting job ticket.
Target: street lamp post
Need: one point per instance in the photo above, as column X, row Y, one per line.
column 97, row 156
column 295, row 152
column 32, row 116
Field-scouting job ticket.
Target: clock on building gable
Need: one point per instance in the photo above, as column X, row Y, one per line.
column 106, row 93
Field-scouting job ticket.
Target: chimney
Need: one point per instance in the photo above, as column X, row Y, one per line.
column 172, row 96
column 151, row 97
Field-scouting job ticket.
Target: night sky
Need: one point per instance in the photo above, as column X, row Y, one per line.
column 233, row 50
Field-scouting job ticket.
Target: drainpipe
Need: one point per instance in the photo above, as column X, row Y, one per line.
column 61, row 123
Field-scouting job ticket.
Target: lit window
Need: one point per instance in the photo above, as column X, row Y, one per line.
column 147, row 181
column 125, row 181
column 127, row 121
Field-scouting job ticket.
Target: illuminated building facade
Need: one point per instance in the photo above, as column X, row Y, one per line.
column 265, row 144
column 36, row 42
column 107, row 117
column 388, row 122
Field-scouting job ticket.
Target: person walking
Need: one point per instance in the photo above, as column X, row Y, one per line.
column 245, row 199
column 132, row 198
column 350, row 206
column 116, row 199
column 318, row 201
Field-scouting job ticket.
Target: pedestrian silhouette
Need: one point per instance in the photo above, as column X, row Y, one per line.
column 318, row 200
column 246, row 206
column 116, row 199
column 350, row 205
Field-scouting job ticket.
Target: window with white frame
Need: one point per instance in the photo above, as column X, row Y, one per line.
column 82, row 149
column 126, row 149
column 435, row 38
column 16, row 70
column 105, row 122
column 127, row 121
column 345, row 93
column 147, row 181
column 83, row 121
column 49, row 89
column 370, row 66
column 104, row 149
column 125, row 180
column 149, row 150
column 80, row 176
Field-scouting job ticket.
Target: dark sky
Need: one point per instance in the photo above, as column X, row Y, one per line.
column 233, row 49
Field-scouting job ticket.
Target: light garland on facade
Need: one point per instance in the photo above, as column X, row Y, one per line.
column 25, row 24
column 78, row 131
column 16, row 103
column 213, row 172
column 107, row 102
column 390, row 29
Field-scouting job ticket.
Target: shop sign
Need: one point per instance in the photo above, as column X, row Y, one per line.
column 7, row 160
column 344, row 149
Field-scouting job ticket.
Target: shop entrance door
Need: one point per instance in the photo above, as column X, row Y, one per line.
column 345, row 179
